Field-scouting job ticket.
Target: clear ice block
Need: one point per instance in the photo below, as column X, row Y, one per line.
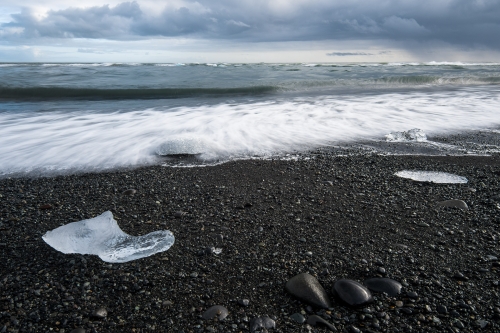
column 432, row 176
column 102, row 236
column 413, row 135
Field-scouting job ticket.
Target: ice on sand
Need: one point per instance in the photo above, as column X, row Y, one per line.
column 182, row 146
column 432, row 176
column 103, row 237
column 413, row 135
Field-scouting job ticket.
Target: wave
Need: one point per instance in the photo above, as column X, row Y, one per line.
column 45, row 93
column 217, row 64
column 438, row 80
column 61, row 140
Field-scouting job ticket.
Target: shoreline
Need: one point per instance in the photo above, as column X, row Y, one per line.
column 332, row 216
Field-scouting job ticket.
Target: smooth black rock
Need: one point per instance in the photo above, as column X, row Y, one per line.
column 216, row 311
column 261, row 322
column 442, row 309
column 412, row 294
column 130, row 191
column 243, row 302
column 298, row 318
column 351, row 292
column 454, row 203
column 78, row 330
column 179, row 214
column 306, row 288
column 384, row 285
column 460, row 276
column 315, row 320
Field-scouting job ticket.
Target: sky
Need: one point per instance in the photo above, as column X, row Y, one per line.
column 249, row 31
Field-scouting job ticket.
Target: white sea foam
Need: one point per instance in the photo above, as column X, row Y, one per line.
column 83, row 140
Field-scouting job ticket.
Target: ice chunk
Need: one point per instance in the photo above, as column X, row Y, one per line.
column 432, row 176
column 103, row 237
column 182, row 146
column 413, row 135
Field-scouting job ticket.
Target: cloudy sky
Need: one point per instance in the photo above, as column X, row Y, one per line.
column 249, row 30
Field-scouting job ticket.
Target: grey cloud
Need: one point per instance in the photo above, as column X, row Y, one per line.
column 460, row 22
column 96, row 51
column 404, row 26
column 346, row 54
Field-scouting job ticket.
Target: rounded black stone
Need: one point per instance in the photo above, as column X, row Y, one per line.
column 306, row 288
column 298, row 318
column 384, row 285
column 261, row 322
column 216, row 311
column 351, row 292
column 130, row 191
column 78, row 330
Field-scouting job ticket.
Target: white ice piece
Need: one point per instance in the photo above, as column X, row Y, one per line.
column 103, row 237
column 413, row 135
column 432, row 176
column 182, row 146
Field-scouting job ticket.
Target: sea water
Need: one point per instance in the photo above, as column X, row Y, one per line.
column 70, row 117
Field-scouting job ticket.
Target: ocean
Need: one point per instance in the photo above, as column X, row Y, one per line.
column 73, row 117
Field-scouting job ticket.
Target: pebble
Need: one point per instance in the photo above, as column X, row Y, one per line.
column 454, row 203
column 216, row 311
column 441, row 309
column 100, row 313
column 351, row 292
column 243, row 302
column 412, row 295
column 306, row 288
column 298, row 318
column 407, row 310
column 78, row 330
column 460, row 276
column 458, row 324
column 354, row 329
column 179, row 214
column 384, row 285
column 315, row 320
column 130, row 191
column 482, row 323
column 261, row 322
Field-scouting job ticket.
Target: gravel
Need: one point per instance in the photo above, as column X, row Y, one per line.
column 333, row 217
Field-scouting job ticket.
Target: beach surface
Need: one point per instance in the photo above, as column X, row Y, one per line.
column 331, row 216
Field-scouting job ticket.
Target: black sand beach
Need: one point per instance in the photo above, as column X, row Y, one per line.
column 332, row 216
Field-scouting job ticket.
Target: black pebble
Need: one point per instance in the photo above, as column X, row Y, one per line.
column 384, row 285
column 351, row 292
column 306, row 288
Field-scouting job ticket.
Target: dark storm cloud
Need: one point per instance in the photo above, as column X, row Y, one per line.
column 347, row 54
column 461, row 22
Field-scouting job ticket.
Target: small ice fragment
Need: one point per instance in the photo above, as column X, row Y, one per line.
column 103, row 237
column 182, row 146
column 432, row 176
column 413, row 135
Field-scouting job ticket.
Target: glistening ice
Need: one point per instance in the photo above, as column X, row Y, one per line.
column 432, row 176
column 103, row 237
